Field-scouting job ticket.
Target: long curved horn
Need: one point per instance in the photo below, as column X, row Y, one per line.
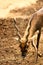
column 23, row 39
column 17, row 30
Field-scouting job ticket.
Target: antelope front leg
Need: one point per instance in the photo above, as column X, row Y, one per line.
column 34, row 45
column 33, row 42
column 31, row 39
column 38, row 38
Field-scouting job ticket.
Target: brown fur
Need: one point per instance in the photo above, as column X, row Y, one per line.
column 35, row 23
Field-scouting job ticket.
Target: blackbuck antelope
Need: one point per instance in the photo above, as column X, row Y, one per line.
column 35, row 24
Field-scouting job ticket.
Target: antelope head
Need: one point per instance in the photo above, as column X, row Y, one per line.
column 23, row 40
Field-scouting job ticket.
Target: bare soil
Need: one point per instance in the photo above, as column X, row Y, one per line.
column 10, row 52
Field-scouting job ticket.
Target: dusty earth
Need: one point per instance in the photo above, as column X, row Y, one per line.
column 10, row 53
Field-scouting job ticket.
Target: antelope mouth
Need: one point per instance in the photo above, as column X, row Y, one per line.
column 23, row 50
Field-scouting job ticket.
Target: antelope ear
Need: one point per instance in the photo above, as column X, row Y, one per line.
column 16, row 38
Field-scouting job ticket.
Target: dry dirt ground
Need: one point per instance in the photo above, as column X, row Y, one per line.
column 10, row 53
